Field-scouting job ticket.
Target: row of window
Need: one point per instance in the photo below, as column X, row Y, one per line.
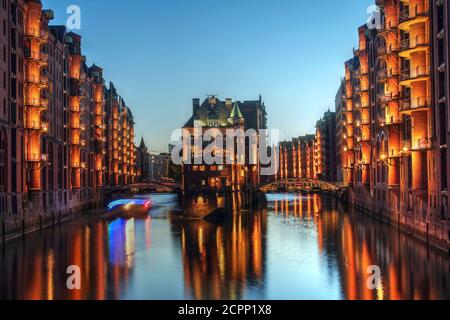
column 204, row 168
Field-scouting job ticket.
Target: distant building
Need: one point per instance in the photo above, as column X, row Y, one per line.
column 296, row 158
column 143, row 160
column 325, row 148
column 223, row 115
column 339, row 102
column 159, row 166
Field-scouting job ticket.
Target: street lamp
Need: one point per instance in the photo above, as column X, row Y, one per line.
column 383, row 159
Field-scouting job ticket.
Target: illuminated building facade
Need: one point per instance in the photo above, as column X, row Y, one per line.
column 297, row 158
column 222, row 116
column 340, row 97
column 120, row 158
column 325, row 148
column 53, row 151
column 395, row 116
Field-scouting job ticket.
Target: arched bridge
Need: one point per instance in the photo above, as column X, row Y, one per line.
column 300, row 185
column 147, row 186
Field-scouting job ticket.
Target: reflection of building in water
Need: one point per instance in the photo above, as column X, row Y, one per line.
column 355, row 242
column 298, row 206
column 226, row 261
column 104, row 253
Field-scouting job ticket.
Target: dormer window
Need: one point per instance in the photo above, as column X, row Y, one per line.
column 213, row 123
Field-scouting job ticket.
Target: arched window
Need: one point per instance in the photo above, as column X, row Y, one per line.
column 51, row 167
column 2, row 161
column 60, row 168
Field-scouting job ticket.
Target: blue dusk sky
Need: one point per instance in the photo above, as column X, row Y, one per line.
column 162, row 53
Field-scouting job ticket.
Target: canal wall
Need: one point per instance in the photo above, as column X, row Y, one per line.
column 44, row 209
column 413, row 221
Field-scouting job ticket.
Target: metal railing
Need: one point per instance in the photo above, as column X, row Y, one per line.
column 414, row 73
column 387, row 97
column 418, row 40
column 416, row 103
column 411, row 13
column 421, row 144
column 389, row 120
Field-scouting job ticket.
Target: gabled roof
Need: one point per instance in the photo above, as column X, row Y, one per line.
column 236, row 113
column 219, row 111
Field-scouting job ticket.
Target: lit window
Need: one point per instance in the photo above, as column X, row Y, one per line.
column 202, row 168
column 195, row 168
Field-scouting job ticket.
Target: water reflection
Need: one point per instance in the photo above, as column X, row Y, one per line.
column 301, row 247
column 224, row 261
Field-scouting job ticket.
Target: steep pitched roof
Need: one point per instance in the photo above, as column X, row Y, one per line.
column 236, row 113
column 142, row 145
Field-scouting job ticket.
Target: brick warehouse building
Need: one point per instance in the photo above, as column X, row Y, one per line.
column 221, row 116
column 391, row 121
column 395, row 116
column 55, row 120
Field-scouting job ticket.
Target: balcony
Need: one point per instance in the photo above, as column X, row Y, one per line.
column 394, row 153
column 389, row 121
column 36, row 33
column 385, row 74
column 365, row 88
column 365, row 138
column 390, row 49
column 417, row 43
column 406, row 146
column 386, row 97
column 36, row 125
column 75, row 126
column 38, row 103
column 37, row 80
column 365, row 122
column 418, row 103
column 365, row 105
column 412, row 15
column 418, row 73
column 421, row 144
column 36, row 157
column 388, row 27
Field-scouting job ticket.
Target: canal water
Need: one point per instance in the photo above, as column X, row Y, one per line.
column 300, row 247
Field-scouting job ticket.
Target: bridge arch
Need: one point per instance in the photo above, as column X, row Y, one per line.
column 300, row 185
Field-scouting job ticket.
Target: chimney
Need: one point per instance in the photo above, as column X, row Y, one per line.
column 228, row 102
column 195, row 105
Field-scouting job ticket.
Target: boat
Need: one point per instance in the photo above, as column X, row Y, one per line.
column 129, row 208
